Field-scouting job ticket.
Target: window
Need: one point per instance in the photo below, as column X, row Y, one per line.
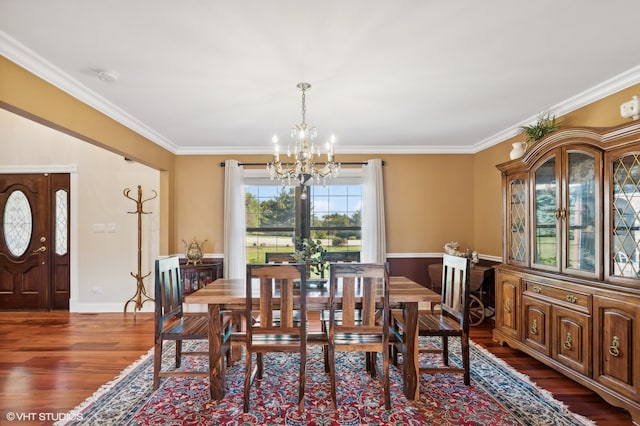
column 334, row 216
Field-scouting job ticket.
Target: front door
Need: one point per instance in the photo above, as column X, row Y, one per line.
column 34, row 272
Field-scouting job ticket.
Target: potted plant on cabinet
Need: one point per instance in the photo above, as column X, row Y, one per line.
column 547, row 123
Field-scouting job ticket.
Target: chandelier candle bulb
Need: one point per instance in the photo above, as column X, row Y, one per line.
column 276, row 149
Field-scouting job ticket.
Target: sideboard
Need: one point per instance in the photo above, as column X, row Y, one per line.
column 568, row 290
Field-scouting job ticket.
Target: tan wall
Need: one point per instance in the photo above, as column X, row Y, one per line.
column 430, row 199
column 423, row 211
column 27, row 95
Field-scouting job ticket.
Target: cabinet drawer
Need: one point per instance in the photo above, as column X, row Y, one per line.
column 562, row 296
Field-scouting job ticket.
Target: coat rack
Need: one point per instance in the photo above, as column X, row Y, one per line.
column 141, row 293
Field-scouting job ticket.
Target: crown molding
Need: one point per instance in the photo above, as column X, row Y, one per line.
column 24, row 57
column 589, row 96
column 29, row 60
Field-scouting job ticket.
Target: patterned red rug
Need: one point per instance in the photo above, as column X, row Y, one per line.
column 498, row 395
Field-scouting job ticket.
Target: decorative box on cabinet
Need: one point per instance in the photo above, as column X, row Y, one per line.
column 198, row 276
column 568, row 292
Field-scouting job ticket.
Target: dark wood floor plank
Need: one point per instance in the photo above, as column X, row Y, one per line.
column 52, row 361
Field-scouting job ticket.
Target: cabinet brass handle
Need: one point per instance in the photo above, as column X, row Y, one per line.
column 537, row 289
column 563, row 213
column 568, row 342
column 534, row 327
column 507, row 306
column 571, row 298
column 557, row 214
column 614, row 349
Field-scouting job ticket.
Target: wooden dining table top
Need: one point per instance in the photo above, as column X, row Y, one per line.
column 232, row 291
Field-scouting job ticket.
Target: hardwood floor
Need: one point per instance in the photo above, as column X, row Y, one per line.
column 51, row 361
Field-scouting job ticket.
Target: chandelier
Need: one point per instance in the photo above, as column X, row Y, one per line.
column 304, row 150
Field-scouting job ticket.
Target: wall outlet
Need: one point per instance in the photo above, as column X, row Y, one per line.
column 99, row 227
column 631, row 109
column 97, row 290
column 111, row 228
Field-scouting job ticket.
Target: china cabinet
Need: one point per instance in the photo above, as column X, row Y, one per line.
column 568, row 290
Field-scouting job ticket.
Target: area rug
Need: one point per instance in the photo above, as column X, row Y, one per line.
column 498, row 395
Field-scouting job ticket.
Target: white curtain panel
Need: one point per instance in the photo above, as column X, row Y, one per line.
column 374, row 241
column 235, row 252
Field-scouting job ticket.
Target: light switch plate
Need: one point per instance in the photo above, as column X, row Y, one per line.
column 630, row 109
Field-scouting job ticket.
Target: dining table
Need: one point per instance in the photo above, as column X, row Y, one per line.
column 228, row 294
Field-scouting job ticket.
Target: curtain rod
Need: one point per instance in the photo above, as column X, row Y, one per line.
column 345, row 163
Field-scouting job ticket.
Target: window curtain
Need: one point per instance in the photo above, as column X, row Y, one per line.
column 374, row 242
column 234, row 221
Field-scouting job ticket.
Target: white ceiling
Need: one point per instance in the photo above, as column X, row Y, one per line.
column 402, row 76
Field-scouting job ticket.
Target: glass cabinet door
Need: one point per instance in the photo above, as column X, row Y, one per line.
column 546, row 215
column 517, row 230
column 580, row 213
column 625, row 229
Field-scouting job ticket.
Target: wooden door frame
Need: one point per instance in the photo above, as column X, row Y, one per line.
column 72, row 170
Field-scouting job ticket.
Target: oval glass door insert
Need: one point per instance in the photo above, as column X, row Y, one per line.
column 17, row 223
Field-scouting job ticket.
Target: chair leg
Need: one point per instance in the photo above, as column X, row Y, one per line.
column 178, row 353
column 465, row 360
column 385, row 380
column 445, row 350
column 157, row 362
column 259, row 363
column 325, row 350
column 247, row 381
column 332, row 376
column 302, row 379
column 372, row 363
column 228, row 357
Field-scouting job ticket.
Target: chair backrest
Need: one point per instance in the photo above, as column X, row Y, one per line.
column 455, row 288
column 282, row 291
column 342, row 256
column 168, row 289
column 279, row 257
column 339, row 257
column 365, row 287
column 329, row 256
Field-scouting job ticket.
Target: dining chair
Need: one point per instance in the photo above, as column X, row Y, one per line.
column 280, row 324
column 452, row 320
column 172, row 323
column 355, row 323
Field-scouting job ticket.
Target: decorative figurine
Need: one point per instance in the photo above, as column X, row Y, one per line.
column 193, row 251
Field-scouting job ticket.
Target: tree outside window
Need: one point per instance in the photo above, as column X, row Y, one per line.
column 334, row 218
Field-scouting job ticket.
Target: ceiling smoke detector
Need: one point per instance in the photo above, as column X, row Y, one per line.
column 108, row 76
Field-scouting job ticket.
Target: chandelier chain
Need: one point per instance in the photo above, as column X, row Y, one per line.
column 304, row 107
